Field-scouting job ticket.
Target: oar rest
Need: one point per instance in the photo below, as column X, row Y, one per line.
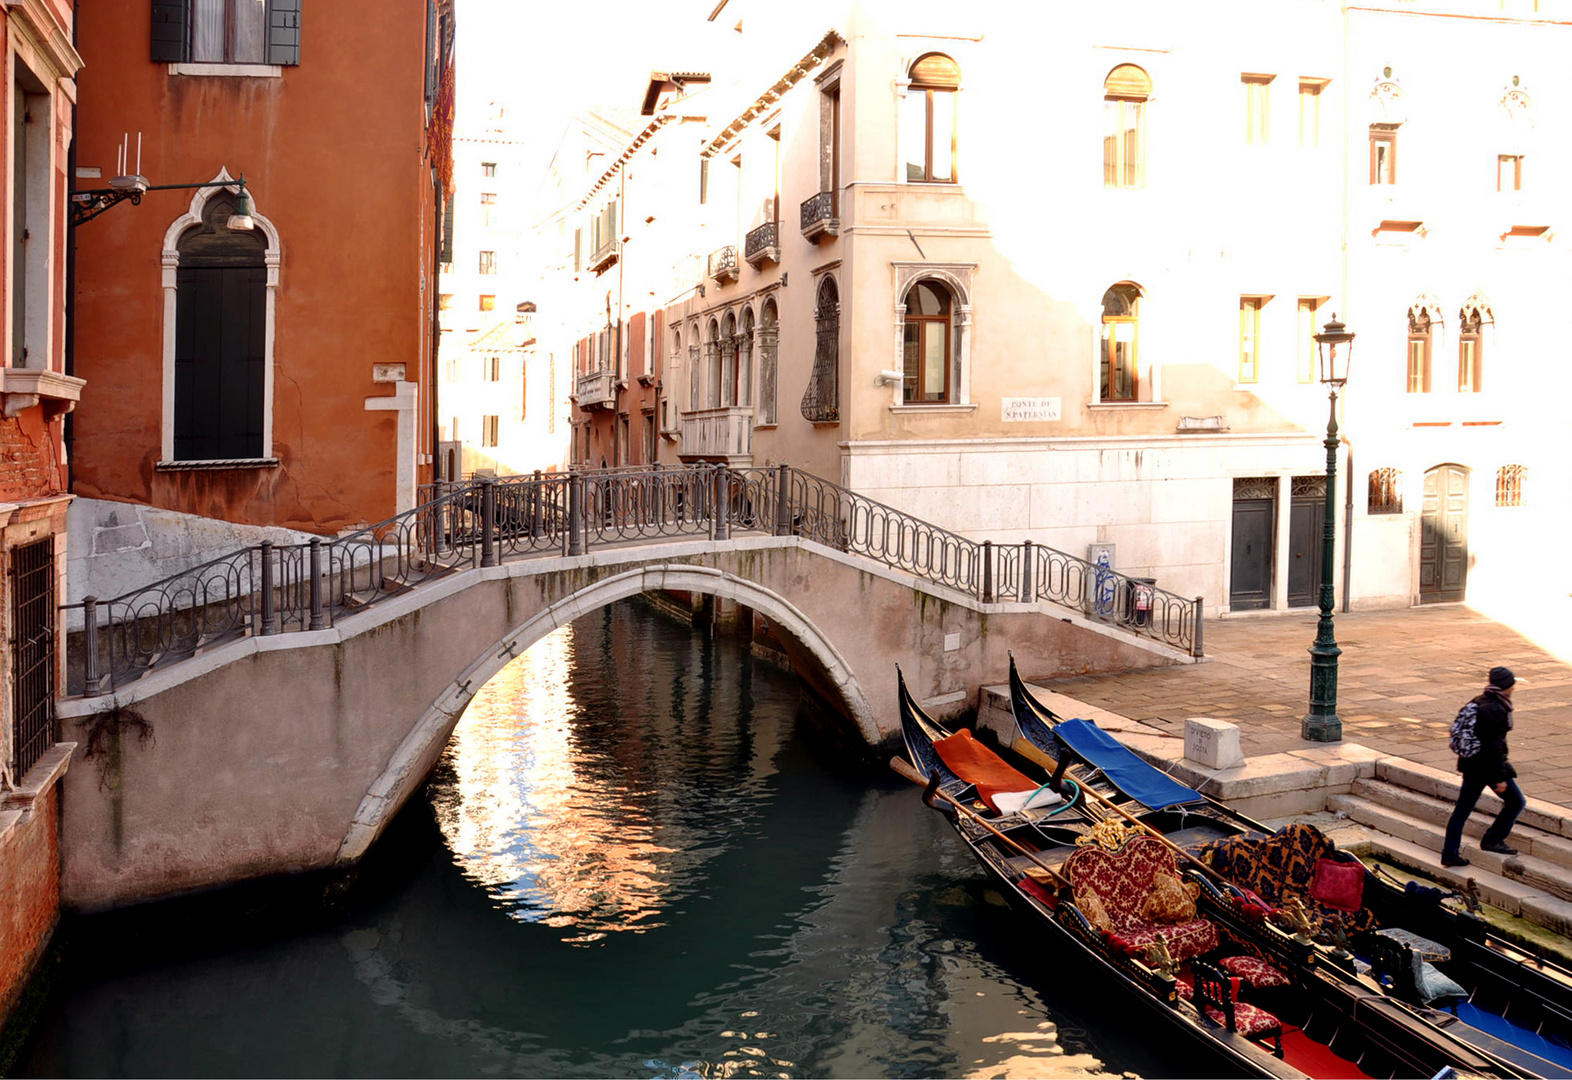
column 1296, row 862
column 1135, row 893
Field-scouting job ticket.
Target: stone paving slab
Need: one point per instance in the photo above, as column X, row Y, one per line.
column 1401, row 678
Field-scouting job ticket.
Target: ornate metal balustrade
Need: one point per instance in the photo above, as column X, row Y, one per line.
column 723, row 264
column 818, row 216
column 271, row 589
column 596, row 389
column 762, row 245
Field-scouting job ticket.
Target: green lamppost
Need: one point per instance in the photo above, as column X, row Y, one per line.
column 1335, row 347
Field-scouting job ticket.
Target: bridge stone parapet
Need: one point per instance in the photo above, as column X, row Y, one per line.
column 292, row 752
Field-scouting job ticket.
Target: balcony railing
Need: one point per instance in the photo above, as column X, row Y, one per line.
column 713, row 434
column 604, row 256
column 723, row 264
column 818, row 217
column 763, row 245
column 597, row 390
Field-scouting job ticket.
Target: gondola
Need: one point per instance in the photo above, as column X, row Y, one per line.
column 1247, row 997
column 1504, row 1000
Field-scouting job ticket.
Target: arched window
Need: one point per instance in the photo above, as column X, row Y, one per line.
column 821, row 401
column 1125, row 94
column 926, row 354
column 1421, row 338
column 745, row 341
column 1119, row 374
column 1509, row 484
column 220, row 339
column 769, row 345
column 712, row 366
column 728, row 350
column 1386, row 492
column 928, row 119
column 695, row 370
column 1471, row 323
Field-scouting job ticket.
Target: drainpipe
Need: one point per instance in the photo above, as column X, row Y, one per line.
column 68, row 427
column 1348, row 517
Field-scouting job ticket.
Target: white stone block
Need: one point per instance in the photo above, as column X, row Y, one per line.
column 1212, row 743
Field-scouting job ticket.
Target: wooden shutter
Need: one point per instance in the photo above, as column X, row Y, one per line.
column 446, row 254
column 169, row 30
column 283, row 31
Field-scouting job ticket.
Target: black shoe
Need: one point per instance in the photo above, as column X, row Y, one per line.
column 1498, row 848
column 1453, row 860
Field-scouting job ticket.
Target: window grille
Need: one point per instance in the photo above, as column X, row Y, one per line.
column 33, row 654
column 1386, row 494
column 821, row 401
column 1255, row 487
column 1509, row 484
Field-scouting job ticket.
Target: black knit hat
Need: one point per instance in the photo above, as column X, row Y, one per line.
column 1502, row 678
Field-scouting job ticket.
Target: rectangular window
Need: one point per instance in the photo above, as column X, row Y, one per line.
column 1419, row 363
column 1383, row 154
column 1309, row 307
column 1258, row 108
column 1250, row 338
column 488, row 431
column 226, row 32
column 487, row 303
column 488, row 262
column 1310, row 111
column 1509, row 484
column 1123, row 139
column 445, row 301
column 704, row 181
column 491, row 368
column 830, row 142
column 1385, row 492
column 1509, row 172
column 488, row 207
column 488, row 169
column 1469, row 361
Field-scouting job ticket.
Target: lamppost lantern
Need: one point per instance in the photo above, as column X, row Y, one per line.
column 1335, row 345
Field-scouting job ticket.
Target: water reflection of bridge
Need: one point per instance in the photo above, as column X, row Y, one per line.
column 270, row 711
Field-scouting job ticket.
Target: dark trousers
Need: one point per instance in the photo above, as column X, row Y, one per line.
column 1473, row 787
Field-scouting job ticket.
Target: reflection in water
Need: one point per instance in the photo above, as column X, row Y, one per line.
column 636, row 859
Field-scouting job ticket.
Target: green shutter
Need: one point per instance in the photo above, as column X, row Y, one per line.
column 169, row 30
column 446, row 254
column 283, row 31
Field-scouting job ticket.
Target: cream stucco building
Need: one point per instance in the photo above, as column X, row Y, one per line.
column 1034, row 272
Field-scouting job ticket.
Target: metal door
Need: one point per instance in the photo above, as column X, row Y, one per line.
column 1250, row 578
column 32, row 653
column 1443, row 536
column 1306, row 521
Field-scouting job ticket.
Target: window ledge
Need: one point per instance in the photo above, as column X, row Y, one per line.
column 935, row 408
column 218, row 463
column 1116, row 405
column 244, row 71
column 22, row 388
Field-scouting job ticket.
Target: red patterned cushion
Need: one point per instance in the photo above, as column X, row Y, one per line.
column 1186, row 940
column 1248, row 1019
column 1258, row 973
column 1339, row 885
column 1123, row 878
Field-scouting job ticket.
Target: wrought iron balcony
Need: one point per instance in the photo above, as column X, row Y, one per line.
column 763, row 245
column 604, row 256
column 818, row 217
column 597, row 390
column 723, row 264
column 718, row 434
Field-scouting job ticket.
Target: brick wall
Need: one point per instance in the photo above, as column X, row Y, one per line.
column 28, row 462
column 29, row 894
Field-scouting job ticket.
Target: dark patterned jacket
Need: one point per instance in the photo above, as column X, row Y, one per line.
column 1491, row 724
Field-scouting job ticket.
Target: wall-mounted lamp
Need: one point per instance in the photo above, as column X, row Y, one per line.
column 888, row 376
column 87, row 205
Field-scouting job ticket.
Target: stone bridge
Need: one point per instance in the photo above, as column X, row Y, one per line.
column 261, row 752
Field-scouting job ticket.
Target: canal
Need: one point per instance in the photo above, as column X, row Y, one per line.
column 642, row 855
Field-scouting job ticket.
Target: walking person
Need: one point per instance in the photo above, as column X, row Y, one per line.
column 1487, row 766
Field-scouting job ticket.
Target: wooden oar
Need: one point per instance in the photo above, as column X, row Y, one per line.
column 902, row 766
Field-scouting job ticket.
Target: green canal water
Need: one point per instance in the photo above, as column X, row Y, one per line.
column 641, row 856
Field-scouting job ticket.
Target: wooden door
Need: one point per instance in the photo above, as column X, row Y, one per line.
column 1306, row 520
column 1250, row 579
column 1443, row 536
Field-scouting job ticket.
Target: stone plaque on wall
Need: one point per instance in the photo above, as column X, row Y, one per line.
column 387, row 372
column 1021, row 410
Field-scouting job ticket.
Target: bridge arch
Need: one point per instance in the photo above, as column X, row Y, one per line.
column 420, row 749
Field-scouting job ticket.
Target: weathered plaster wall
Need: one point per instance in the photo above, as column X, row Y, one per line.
column 289, row 753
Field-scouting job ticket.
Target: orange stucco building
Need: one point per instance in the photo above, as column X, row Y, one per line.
column 281, row 375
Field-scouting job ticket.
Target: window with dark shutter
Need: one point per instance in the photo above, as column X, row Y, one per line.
column 225, row 33
column 283, row 31
column 169, row 30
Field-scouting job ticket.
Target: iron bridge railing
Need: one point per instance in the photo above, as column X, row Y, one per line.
column 271, row 588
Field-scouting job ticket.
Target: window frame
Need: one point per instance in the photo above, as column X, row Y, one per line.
column 928, row 87
column 1258, row 108
column 1517, row 172
column 1510, row 482
column 1251, row 309
column 1124, row 142
column 1310, row 91
column 173, row 28
column 914, row 388
column 1421, row 345
column 1384, row 492
column 1383, row 155
column 1106, row 367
